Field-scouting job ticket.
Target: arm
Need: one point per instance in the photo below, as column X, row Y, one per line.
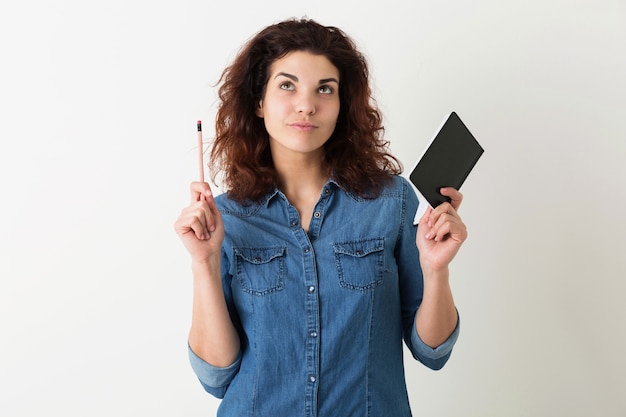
column 212, row 336
column 440, row 234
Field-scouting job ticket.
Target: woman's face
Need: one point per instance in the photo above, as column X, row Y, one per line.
column 301, row 104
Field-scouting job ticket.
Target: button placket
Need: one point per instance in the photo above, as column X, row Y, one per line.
column 311, row 323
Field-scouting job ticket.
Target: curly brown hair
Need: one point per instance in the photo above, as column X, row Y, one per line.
column 356, row 155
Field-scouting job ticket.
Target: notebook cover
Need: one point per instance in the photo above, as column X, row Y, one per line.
column 447, row 161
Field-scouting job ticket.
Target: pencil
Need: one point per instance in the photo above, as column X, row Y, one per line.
column 200, row 152
column 200, row 155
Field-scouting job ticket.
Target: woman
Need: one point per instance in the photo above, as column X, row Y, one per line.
column 307, row 273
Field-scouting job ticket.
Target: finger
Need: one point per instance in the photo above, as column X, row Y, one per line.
column 456, row 198
column 213, row 214
column 438, row 227
column 449, row 226
column 199, row 228
column 200, row 191
column 440, row 210
column 194, row 219
column 426, row 216
column 423, row 228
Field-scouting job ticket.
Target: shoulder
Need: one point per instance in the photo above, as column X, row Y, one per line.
column 403, row 191
column 398, row 186
column 396, row 194
column 228, row 206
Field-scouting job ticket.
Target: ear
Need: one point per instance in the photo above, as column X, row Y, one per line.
column 259, row 109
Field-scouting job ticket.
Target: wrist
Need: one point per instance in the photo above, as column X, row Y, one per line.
column 205, row 267
column 433, row 270
column 436, row 277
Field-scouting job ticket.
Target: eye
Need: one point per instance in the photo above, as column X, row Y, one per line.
column 325, row 89
column 287, row 86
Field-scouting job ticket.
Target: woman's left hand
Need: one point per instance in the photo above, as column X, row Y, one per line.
column 441, row 232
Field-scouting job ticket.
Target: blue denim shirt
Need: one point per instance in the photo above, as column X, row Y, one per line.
column 321, row 315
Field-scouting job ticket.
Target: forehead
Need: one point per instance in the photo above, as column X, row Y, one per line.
column 303, row 63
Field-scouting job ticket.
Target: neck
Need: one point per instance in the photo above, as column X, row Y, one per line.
column 302, row 185
column 301, row 179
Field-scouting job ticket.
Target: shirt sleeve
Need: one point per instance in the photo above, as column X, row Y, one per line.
column 214, row 380
column 434, row 358
column 412, row 289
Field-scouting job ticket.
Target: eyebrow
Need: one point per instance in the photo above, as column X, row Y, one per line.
column 294, row 78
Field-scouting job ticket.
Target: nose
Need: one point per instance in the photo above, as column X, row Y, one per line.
column 305, row 104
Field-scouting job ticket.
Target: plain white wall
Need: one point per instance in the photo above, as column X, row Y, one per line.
column 98, row 104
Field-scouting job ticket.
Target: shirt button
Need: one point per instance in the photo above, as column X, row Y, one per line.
column 307, row 249
column 312, row 378
column 326, row 191
column 311, row 289
column 317, row 214
column 313, row 333
column 294, row 223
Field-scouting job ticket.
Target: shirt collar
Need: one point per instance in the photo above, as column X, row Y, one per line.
column 265, row 202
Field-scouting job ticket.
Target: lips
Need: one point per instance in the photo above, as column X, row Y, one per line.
column 302, row 125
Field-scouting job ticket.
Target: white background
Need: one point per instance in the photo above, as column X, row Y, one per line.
column 98, row 105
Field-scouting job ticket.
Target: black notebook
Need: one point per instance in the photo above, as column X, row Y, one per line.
column 447, row 161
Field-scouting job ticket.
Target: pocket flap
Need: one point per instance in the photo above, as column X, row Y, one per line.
column 260, row 255
column 359, row 248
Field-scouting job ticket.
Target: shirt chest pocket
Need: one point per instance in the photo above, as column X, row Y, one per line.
column 360, row 263
column 260, row 271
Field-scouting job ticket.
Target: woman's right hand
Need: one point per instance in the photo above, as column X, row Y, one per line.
column 212, row 335
column 200, row 225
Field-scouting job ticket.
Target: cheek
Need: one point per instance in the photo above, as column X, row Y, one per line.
column 335, row 114
column 274, row 109
column 336, row 108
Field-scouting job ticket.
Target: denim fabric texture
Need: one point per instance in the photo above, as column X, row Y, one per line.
column 321, row 315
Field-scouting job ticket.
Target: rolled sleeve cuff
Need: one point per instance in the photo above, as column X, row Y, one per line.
column 211, row 376
column 441, row 353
